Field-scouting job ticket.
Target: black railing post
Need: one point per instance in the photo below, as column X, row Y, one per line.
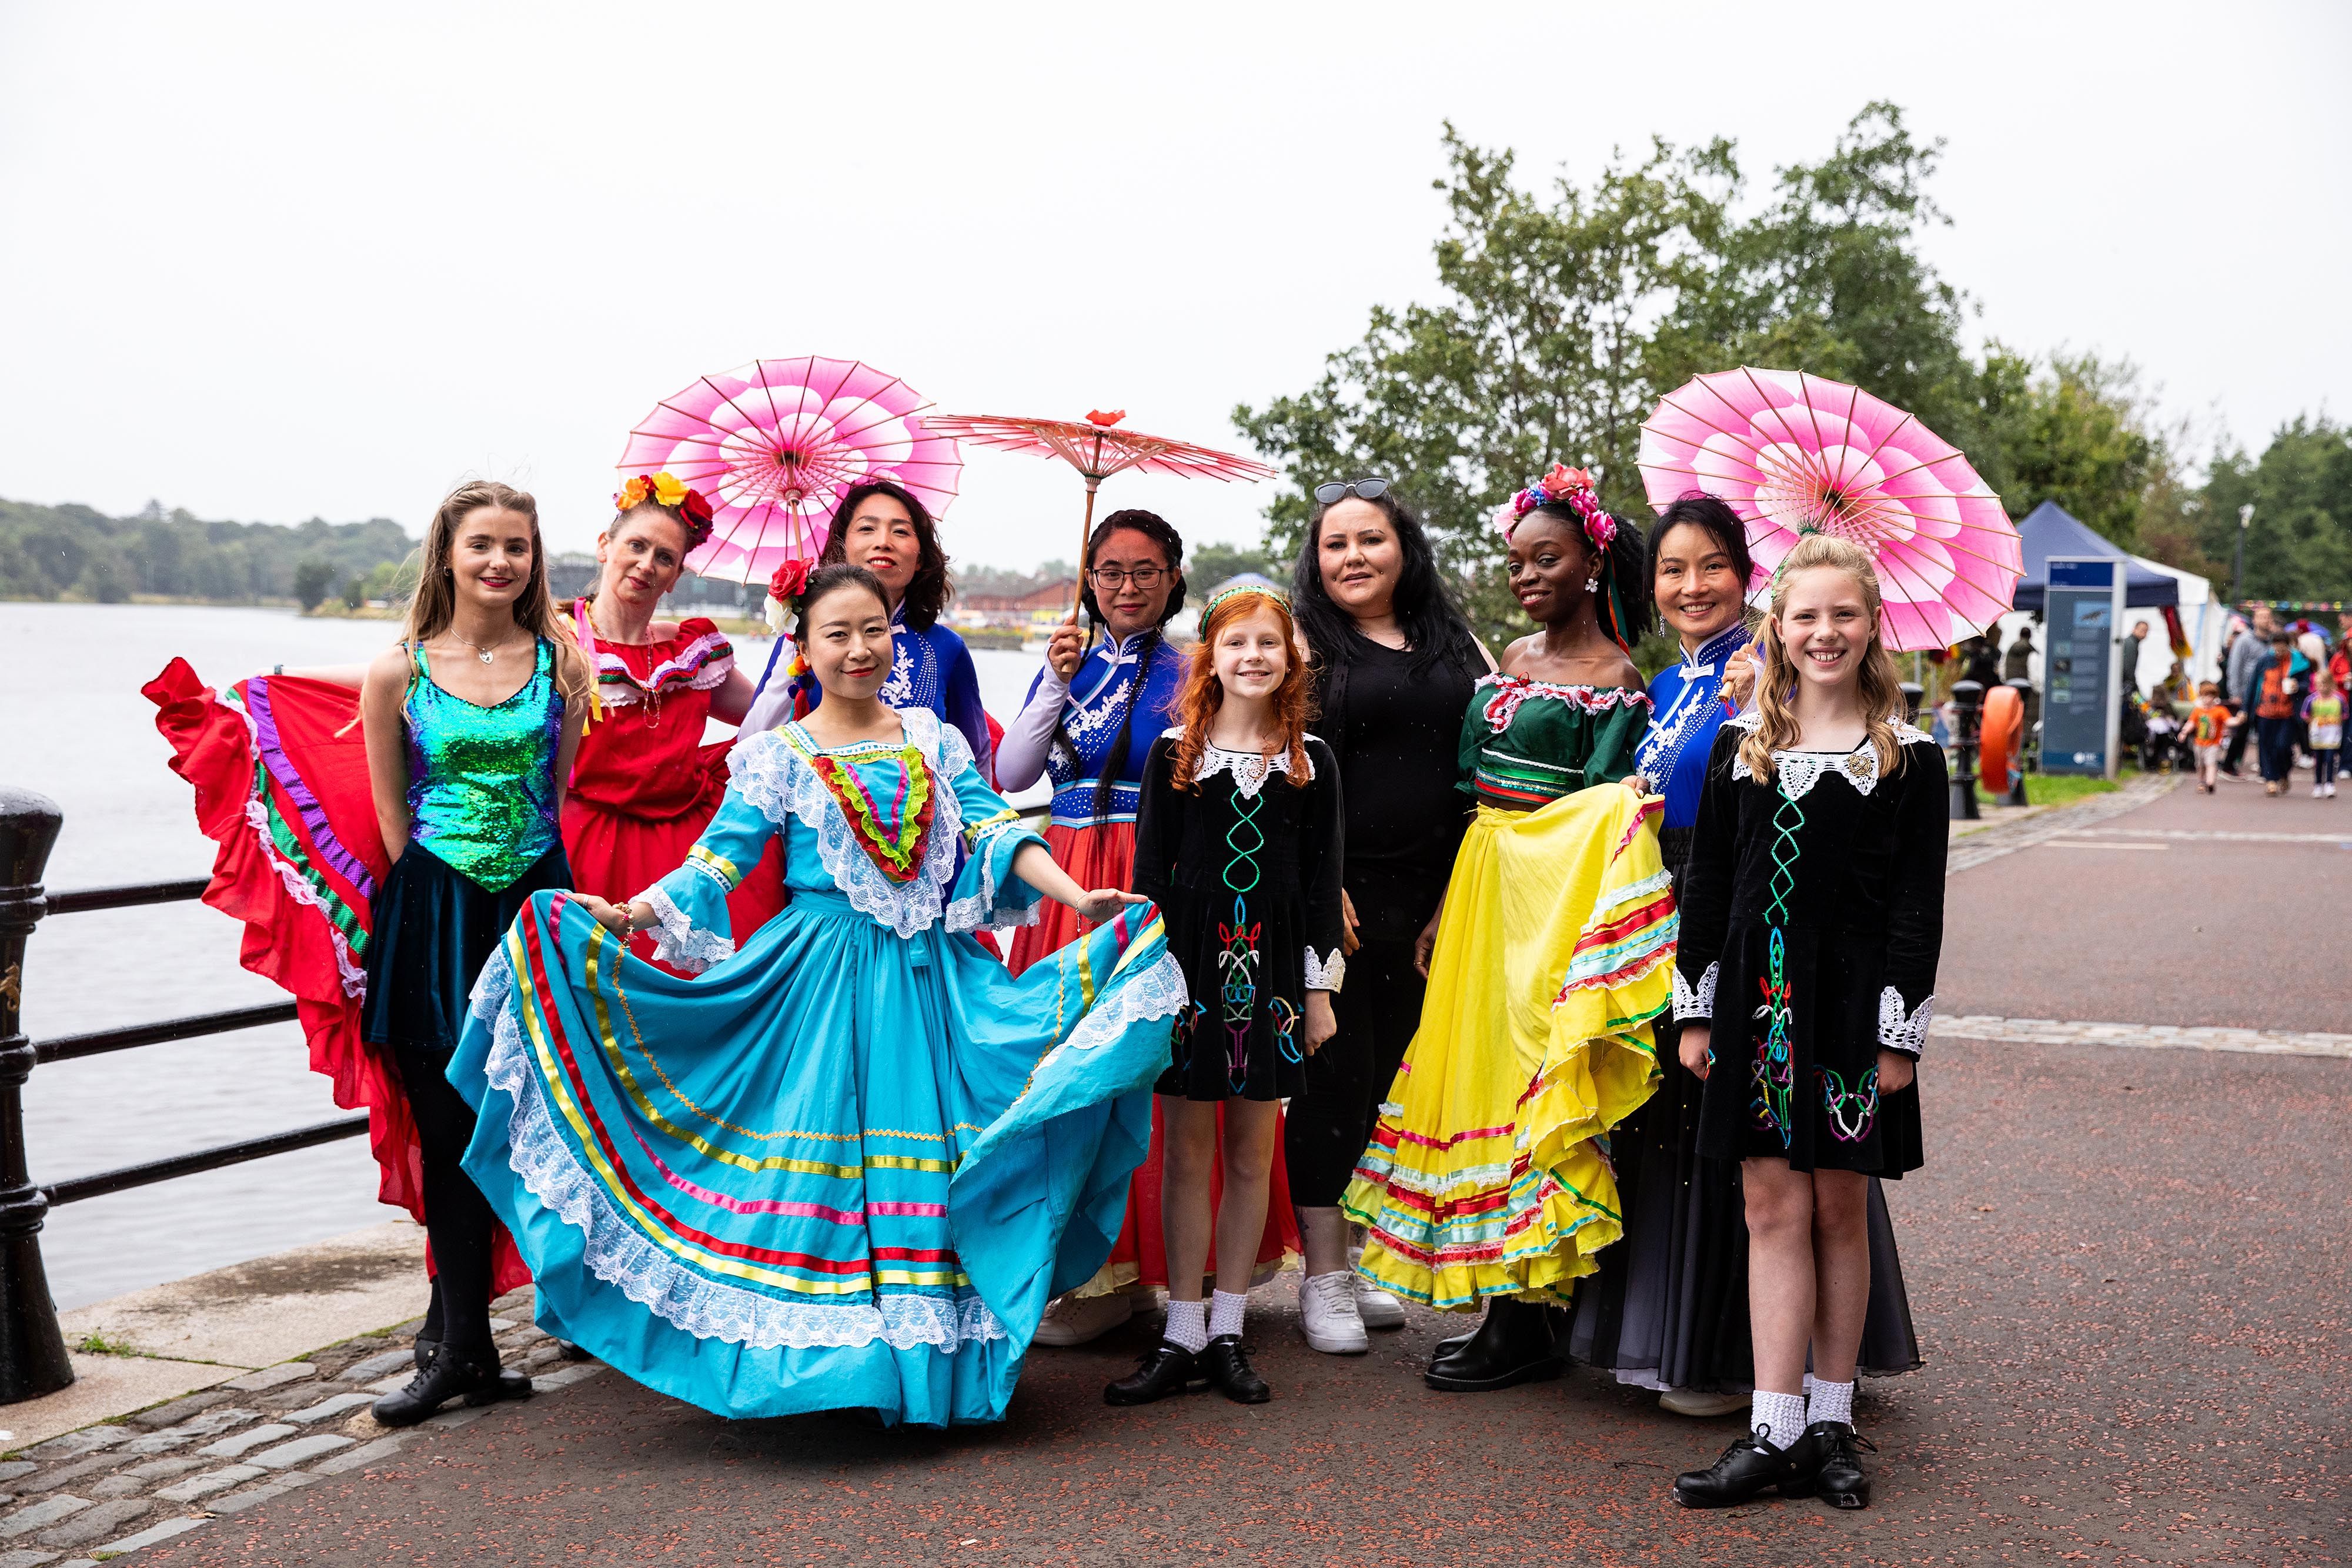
column 33, row 1358
column 1967, row 710
column 1914, row 694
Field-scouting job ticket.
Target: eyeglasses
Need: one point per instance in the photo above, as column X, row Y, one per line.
column 1108, row 578
column 1362, row 489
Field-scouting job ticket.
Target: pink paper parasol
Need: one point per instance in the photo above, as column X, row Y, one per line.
column 1097, row 450
column 776, row 444
column 1794, row 455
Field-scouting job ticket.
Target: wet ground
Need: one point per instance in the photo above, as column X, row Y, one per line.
column 2127, row 1266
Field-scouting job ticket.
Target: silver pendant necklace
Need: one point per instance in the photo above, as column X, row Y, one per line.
column 484, row 654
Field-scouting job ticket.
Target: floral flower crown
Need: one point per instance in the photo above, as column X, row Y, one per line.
column 666, row 489
column 1571, row 488
column 785, row 587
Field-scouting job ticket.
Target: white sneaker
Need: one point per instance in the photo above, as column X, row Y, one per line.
column 1376, row 1307
column 1326, row 1312
column 1691, row 1402
column 2319, row 791
column 1075, row 1319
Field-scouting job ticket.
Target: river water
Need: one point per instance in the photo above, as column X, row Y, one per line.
column 74, row 726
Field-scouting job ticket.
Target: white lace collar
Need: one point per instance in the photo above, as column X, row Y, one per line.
column 1797, row 772
column 1250, row 769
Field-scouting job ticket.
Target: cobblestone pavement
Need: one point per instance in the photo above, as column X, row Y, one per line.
column 108, row 1490
column 2127, row 1265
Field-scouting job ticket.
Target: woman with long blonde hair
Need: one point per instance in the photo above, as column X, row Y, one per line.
column 1810, row 926
column 470, row 722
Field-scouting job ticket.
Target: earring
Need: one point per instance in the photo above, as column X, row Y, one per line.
column 1591, row 585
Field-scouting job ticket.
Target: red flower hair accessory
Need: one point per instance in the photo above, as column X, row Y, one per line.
column 784, row 589
column 666, row 489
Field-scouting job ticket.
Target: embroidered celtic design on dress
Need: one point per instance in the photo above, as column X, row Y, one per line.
column 1773, row 1073
column 1237, row 964
column 1851, row 1110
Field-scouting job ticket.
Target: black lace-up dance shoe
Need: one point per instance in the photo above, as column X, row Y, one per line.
column 1827, row 1460
column 1229, row 1372
column 1517, row 1343
column 449, row 1376
column 1749, row 1465
column 1166, row 1368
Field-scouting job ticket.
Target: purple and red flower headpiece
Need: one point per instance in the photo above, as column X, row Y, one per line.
column 1563, row 486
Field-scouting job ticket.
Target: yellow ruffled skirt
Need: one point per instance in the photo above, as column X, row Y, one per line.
column 1489, row 1174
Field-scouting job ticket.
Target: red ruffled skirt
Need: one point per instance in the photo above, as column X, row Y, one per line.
column 280, row 771
column 1104, row 856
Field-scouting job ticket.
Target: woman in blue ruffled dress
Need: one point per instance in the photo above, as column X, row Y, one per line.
column 847, row 1165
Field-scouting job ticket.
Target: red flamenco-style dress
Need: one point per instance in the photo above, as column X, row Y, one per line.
column 643, row 782
column 280, row 771
column 1092, row 835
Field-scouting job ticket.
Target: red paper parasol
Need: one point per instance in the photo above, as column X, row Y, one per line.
column 776, row 444
column 1096, row 449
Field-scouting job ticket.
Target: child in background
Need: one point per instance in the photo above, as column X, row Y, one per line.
column 2277, row 696
column 2323, row 713
column 2208, row 726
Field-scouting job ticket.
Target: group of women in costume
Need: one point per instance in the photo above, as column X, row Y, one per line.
column 712, row 1042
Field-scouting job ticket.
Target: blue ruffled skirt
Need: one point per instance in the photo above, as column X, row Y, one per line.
column 841, row 1168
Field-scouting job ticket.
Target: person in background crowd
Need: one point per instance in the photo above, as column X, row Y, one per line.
column 1394, row 664
column 2323, row 715
column 2208, row 724
column 2238, row 685
column 2276, row 696
column 2017, row 665
column 2128, row 659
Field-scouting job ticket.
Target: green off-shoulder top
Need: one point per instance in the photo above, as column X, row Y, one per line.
column 1525, row 743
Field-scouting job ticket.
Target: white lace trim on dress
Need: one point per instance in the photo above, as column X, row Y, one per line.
column 1799, row 771
column 678, row 941
column 1696, row 1002
column 773, row 774
column 1326, row 975
column 989, row 908
column 1896, row 1032
column 619, row 1254
column 1250, row 769
column 1159, row 992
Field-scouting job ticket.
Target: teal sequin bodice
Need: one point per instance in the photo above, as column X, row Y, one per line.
column 481, row 780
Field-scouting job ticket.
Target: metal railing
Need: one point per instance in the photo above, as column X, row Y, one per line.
column 33, row 1359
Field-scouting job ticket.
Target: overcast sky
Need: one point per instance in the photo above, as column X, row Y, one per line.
column 270, row 263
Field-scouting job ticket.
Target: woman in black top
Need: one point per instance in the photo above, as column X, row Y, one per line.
column 1395, row 663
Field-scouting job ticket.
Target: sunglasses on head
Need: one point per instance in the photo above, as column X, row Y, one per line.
column 1362, row 489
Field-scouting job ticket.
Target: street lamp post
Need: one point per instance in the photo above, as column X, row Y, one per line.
column 2238, row 567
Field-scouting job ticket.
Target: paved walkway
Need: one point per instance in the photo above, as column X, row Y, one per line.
column 2127, row 1266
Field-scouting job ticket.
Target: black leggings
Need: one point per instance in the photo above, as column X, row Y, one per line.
column 1377, row 1007
column 457, row 1217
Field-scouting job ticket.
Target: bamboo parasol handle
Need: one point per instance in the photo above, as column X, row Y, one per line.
column 1086, row 532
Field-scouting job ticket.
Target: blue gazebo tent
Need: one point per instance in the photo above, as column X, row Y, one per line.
column 2050, row 529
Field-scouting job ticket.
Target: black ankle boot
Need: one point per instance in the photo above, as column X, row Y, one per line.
column 1514, row 1344
column 512, row 1385
column 1748, row 1467
column 1167, row 1368
column 1827, row 1462
column 1231, row 1373
column 450, row 1376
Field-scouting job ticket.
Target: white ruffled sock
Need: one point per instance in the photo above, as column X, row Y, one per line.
column 1188, row 1324
column 1778, row 1419
column 1225, row 1310
column 1829, row 1402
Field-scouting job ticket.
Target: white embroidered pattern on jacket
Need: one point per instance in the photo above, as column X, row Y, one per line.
column 1797, row 772
column 1250, row 769
column 1896, row 1032
column 1696, row 1002
column 1326, row 973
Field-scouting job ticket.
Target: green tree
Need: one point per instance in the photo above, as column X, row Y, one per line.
column 1207, row 564
column 101, row 579
column 1563, row 319
column 2073, row 429
column 311, row 581
column 354, row 591
column 2299, row 544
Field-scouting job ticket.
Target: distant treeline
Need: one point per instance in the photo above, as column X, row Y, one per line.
column 76, row 551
